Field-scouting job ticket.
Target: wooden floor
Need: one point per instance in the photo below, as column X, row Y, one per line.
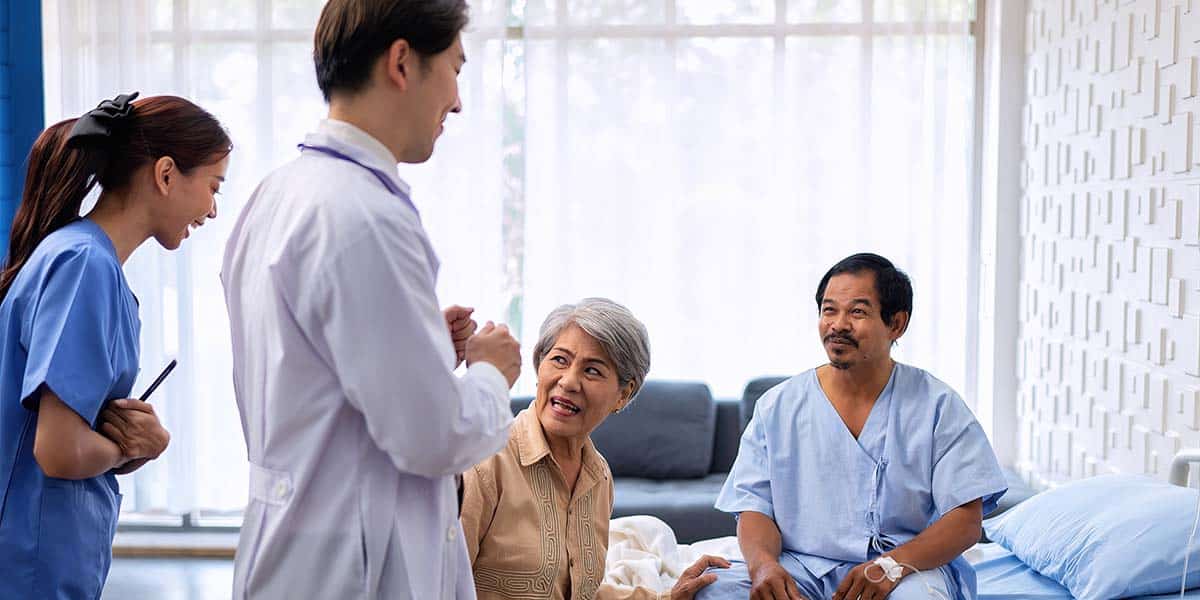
column 169, row 579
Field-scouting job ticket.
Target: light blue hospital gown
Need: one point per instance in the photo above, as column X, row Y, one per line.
column 68, row 322
column 839, row 501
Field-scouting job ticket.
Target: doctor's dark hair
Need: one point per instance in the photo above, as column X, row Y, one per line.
column 352, row 34
column 891, row 284
column 63, row 171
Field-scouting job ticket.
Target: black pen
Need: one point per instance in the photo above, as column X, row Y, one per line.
column 161, row 377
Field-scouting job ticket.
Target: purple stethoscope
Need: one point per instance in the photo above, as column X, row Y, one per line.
column 380, row 175
column 391, row 187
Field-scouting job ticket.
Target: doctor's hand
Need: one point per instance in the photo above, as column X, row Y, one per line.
column 694, row 577
column 770, row 581
column 462, row 327
column 134, row 427
column 867, row 585
column 493, row 344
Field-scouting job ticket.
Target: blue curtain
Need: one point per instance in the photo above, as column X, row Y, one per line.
column 22, row 112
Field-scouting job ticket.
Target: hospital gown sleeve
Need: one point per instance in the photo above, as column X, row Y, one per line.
column 965, row 468
column 71, row 334
column 373, row 313
column 748, row 486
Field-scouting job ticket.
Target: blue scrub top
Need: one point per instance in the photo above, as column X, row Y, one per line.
column 69, row 322
column 840, row 500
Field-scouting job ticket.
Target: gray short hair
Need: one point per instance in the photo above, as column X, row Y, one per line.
column 619, row 333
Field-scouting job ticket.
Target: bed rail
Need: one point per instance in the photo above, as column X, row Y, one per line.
column 1181, row 463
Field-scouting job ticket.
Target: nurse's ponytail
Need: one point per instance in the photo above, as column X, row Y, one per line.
column 57, row 181
column 104, row 147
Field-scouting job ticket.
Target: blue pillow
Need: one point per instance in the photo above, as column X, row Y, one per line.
column 1111, row 536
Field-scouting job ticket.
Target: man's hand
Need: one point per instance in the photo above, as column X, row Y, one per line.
column 858, row 585
column 694, row 577
column 493, row 344
column 462, row 327
column 135, row 429
column 771, row 581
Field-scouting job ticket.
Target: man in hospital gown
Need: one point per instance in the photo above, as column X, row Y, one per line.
column 860, row 460
column 355, row 423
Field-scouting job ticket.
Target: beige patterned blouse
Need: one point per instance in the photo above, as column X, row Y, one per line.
column 527, row 537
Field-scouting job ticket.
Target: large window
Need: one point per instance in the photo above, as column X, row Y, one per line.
column 701, row 161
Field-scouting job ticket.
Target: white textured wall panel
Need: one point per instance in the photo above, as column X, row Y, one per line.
column 1109, row 352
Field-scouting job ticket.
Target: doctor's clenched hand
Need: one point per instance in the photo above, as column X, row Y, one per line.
column 462, row 327
column 493, row 344
column 134, row 427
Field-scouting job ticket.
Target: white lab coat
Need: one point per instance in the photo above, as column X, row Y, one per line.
column 343, row 369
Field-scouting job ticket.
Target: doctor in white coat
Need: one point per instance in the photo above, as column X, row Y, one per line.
column 355, row 423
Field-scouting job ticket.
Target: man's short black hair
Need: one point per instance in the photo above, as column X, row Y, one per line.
column 891, row 284
column 352, row 34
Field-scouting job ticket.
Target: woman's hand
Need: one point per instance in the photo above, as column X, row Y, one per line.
column 134, row 427
column 694, row 577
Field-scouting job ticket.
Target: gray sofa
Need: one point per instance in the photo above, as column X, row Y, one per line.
column 671, row 450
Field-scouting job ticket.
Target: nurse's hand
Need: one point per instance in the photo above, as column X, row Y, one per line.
column 462, row 327
column 134, row 428
column 131, row 466
column 494, row 344
column 867, row 585
column 770, row 581
column 694, row 577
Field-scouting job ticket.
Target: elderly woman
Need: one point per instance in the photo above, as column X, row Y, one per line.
column 536, row 514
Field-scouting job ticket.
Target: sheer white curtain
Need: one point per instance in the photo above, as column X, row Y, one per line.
column 706, row 162
column 703, row 162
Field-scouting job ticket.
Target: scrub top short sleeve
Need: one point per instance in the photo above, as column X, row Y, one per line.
column 70, row 336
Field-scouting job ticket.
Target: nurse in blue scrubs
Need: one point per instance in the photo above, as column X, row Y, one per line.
column 69, row 344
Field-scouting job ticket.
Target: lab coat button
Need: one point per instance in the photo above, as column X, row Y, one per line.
column 451, row 533
column 281, row 490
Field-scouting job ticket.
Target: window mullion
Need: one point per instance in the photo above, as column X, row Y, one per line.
column 867, row 65
column 264, row 99
column 512, row 223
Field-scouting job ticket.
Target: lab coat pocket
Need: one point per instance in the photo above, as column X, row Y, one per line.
column 363, row 555
column 75, row 529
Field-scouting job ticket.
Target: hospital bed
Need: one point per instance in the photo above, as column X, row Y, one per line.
column 642, row 552
column 1002, row 576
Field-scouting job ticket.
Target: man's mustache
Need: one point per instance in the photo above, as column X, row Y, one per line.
column 837, row 337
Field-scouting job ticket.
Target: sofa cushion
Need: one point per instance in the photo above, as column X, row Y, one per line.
column 665, row 433
column 754, row 389
column 686, row 505
column 519, row 403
